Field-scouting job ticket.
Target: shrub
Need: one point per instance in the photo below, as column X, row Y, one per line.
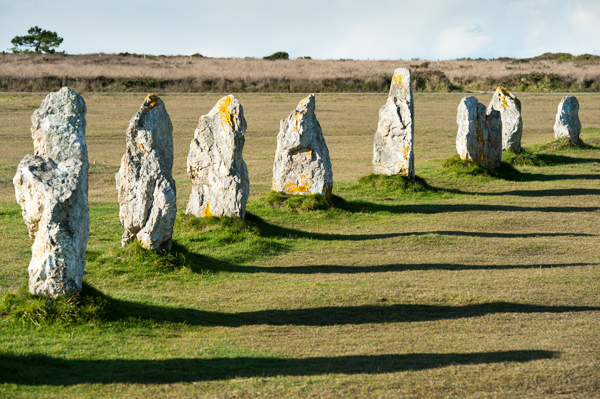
column 280, row 55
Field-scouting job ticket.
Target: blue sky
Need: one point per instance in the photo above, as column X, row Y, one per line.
column 377, row 29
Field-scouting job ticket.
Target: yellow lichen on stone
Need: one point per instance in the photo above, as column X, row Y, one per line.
column 302, row 188
column 224, row 113
column 397, row 79
column 503, row 93
column 405, row 152
column 298, row 117
column 206, row 212
column 150, row 102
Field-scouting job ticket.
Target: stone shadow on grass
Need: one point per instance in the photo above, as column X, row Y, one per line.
column 274, row 231
column 123, row 310
column 338, row 269
column 365, row 206
column 567, row 192
column 36, row 369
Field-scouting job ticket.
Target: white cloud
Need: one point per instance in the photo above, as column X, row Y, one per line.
column 461, row 41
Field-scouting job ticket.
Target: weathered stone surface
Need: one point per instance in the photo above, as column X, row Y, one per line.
column 510, row 111
column 147, row 196
column 220, row 184
column 302, row 164
column 567, row 119
column 393, row 143
column 52, row 187
column 479, row 136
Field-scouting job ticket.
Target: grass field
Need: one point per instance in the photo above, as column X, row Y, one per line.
column 470, row 286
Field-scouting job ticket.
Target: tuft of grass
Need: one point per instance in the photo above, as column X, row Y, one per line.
column 140, row 262
column 465, row 167
column 564, row 143
column 74, row 308
column 222, row 229
column 396, row 184
column 298, row 203
column 525, row 157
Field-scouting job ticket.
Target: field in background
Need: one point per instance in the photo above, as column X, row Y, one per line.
column 485, row 288
column 114, row 73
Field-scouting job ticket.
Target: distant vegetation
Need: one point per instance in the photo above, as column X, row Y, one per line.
column 280, row 55
column 549, row 72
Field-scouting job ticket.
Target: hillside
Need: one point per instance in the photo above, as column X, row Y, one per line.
column 137, row 73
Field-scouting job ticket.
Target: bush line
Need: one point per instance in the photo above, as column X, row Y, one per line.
column 427, row 81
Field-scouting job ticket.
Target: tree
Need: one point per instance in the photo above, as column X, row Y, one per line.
column 37, row 39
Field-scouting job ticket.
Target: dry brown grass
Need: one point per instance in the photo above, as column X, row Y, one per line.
column 111, row 65
column 17, row 70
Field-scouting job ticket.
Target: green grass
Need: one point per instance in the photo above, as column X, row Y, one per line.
column 298, row 203
column 458, row 283
column 467, row 168
column 79, row 307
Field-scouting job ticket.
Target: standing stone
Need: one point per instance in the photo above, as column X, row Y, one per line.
column 510, row 111
column 302, row 164
column 145, row 184
column 567, row 120
column 52, row 188
column 479, row 135
column 393, row 144
column 220, row 184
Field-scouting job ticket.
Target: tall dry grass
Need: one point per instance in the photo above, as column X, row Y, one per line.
column 111, row 72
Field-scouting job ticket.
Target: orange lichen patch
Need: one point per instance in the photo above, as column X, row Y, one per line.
column 298, row 117
column 143, row 244
column 397, row 79
column 405, row 152
column 309, row 154
column 402, row 169
column 503, row 93
column 206, row 212
column 227, row 118
column 302, row 188
column 150, row 102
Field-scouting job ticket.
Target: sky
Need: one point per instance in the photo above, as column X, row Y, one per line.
column 325, row 29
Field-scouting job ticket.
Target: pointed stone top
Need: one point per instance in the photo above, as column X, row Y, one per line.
column 152, row 113
column 150, row 102
column 229, row 109
column 58, row 126
column 501, row 94
column 307, row 103
column 401, row 86
column 306, row 106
